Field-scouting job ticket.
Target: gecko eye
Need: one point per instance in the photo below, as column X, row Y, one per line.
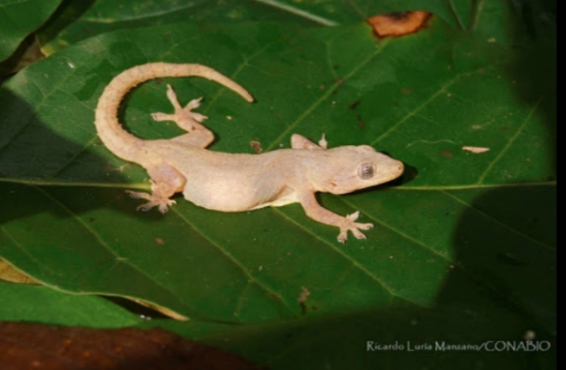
column 366, row 171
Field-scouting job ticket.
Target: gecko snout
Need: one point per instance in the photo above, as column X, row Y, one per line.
column 396, row 169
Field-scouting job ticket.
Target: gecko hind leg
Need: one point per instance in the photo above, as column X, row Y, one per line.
column 188, row 120
column 183, row 116
column 165, row 182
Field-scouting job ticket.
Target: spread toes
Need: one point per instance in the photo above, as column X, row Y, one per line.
column 161, row 203
column 354, row 227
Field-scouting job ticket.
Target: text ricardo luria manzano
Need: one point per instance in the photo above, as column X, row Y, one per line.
column 441, row 346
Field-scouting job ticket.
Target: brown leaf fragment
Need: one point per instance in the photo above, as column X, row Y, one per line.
column 256, row 146
column 11, row 274
column 31, row 346
column 398, row 24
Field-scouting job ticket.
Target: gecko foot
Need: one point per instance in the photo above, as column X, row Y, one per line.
column 181, row 114
column 193, row 104
column 348, row 224
column 161, row 203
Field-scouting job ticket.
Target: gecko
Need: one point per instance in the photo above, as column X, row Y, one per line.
column 235, row 182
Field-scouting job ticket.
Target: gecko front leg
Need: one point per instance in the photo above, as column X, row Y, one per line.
column 322, row 215
column 165, row 181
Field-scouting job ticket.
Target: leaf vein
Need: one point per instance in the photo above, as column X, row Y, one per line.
column 31, row 256
column 354, row 262
column 298, row 12
column 323, row 97
column 73, row 158
column 456, row 15
column 397, row 231
column 417, row 109
column 233, row 260
column 102, row 243
column 500, row 223
column 37, row 107
column 509, row 143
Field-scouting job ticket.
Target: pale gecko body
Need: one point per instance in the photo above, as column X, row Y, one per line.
column 236, row 182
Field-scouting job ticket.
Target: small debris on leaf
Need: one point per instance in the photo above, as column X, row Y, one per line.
column 9, row 273
column 304, row 295
column 256, row 146
column 303, row 298
column 475, row 149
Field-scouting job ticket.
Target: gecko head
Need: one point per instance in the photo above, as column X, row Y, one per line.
column 350, row 168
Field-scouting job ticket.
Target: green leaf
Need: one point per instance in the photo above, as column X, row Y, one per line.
column 19, row 18
column 79, row 20
column 421, row 98
column 331, row 12
column 40, row 304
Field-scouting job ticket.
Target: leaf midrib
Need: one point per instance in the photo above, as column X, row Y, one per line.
column 146, row 185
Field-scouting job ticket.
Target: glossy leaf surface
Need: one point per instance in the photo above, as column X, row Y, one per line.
column 18, row 19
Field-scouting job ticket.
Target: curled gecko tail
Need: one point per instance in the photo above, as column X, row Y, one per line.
column 213, row 75
column 119, row 141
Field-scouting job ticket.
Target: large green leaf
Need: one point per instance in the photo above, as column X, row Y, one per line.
column 463, row 249
column 458, row 220
column 76, row 21
column 331, row 12
column 19, row 18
